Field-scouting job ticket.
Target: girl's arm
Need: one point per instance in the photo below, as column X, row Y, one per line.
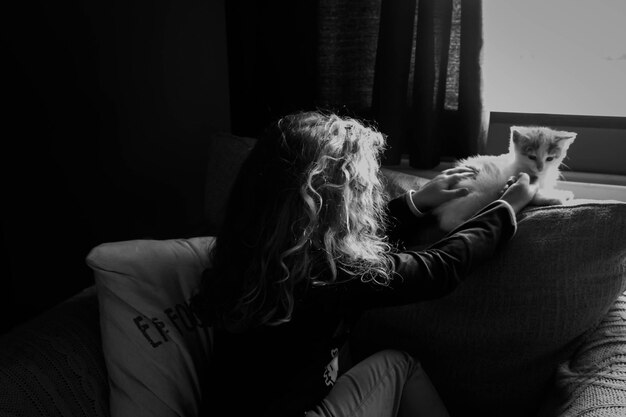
column 436, row 271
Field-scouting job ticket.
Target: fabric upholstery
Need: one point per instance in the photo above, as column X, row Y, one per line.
column 499, row 337
column 53, row 364
column 592, row 383
column 156, row 351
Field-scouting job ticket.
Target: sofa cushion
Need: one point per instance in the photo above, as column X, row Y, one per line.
column 492, row 346
column 156, row 351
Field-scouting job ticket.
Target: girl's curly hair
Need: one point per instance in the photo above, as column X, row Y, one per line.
column 308, row 202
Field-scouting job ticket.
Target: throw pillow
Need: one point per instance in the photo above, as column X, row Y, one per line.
column 155, row 349
column 591, row 383
column 493, row 345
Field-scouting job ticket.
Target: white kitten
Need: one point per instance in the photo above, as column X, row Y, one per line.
column 538, row 151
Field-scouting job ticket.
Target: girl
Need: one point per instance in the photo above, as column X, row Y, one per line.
column 308, row 242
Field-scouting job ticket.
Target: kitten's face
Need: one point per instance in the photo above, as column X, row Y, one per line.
column 539, row 149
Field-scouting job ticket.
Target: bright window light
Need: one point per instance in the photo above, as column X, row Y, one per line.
column 555, row 56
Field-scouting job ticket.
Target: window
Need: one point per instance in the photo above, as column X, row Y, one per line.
column 555, row 56
column 560, row 63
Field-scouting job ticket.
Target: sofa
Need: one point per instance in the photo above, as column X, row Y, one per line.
column 540, row 330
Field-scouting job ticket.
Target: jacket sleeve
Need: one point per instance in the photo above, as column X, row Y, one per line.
column 436, row 271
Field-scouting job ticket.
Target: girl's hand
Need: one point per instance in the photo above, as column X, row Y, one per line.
column 439, row 190
column 519, row 191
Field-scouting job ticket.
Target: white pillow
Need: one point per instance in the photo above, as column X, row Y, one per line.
column 156, row 351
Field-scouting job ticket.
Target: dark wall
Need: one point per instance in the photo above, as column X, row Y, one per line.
column 110, row 104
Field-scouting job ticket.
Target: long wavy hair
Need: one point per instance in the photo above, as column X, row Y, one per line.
column 308, row 202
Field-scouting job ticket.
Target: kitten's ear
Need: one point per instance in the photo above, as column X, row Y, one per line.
column 515, row 134
column 568, row 136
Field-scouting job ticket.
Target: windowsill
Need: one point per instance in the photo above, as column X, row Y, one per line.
column 584, row 185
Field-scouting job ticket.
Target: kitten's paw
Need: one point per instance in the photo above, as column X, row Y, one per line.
column 552, row 197
column 561, row 195
column 566, row 195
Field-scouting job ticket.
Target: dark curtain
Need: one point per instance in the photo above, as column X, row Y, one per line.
column 412, row 67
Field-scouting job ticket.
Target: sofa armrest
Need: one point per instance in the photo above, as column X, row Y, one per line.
column 593, row 382
column 53, row 364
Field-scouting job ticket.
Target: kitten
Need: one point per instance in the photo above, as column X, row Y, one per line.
column 538, row 151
